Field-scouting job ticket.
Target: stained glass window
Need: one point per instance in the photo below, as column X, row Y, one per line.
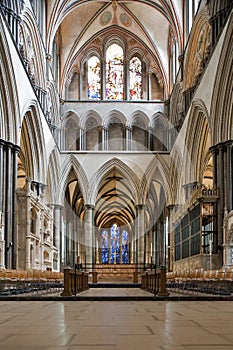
column 114, row 73
column 125, row 249
column 94, row 78
column 105, row 247
column 115, row 244
column 135, row 73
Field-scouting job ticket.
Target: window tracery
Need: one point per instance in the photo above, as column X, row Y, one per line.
column 114, row 248
column 114, row 73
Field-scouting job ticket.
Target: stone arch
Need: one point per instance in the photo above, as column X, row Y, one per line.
column 157, row 165
column 92, row 134
column 52, row 104
column 221, row 107
column 123, row 169
column 34, row 151
column 9, row 106
column 142, row 116
column 198, row 49
column 90, row 113
column 70, row 162
column 139, row 123
column 177, row 106
column 197, row 141
column 116, row 123
column 31, row 49
column 159, row 132
column 114, row 113
column 71, row 132
column 53, row 175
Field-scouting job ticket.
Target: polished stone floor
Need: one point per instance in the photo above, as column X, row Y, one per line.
column 112, row 325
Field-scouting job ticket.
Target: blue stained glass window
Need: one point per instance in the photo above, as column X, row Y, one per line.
column 94, row 78
column 115, row 244
column 125, row 247
column 105, row 247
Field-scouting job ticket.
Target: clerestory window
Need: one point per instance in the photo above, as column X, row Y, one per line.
column 113, row 83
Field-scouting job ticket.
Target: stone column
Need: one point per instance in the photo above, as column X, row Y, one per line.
column 103, row 79
column 229, row 176
column 28, row 224
column 132, row 251
column 57, row 231
column 104, row 138
column 89, row 231
column 169, row 212
column 2, row 243
column 220, row 172
column 214, row 157
column 80, row 86
column 127, row 82
column 81, row 139
column 149, row 92
column 150, row 139
column 128, row 138
column 140, row 232
column 1, row 174
column 8, row 206
column 14, row 206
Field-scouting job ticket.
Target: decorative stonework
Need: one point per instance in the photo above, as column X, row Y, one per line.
column 105, row 18
column 132, row 42
column 229, row 234
column 125, row 20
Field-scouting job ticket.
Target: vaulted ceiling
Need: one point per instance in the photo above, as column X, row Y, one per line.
column 147, row 23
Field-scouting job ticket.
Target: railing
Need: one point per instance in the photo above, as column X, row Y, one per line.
column 154, row 281
column 74, row 281
column 115, row 272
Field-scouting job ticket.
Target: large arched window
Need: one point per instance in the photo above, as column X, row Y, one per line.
column 115, row 246
column 125, row 247
column 94, row 78
column 114, row 73
column 135, row 76
column 105, row 247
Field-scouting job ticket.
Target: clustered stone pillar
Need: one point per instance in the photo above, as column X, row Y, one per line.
column 140, row 230
column 8, row 202
column 89, row 232
column 104, row 138
column 28, row 223
column 170, row 246
column 57, row 231
column 128, row 138
column 222, row 178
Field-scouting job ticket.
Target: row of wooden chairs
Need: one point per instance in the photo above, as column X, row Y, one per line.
column 202, row 275
column 30, row 274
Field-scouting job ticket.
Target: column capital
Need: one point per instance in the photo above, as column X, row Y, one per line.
column 127, row 127
column 89, row 207
column 140, row 206
column 58, row 206
column 170, row 206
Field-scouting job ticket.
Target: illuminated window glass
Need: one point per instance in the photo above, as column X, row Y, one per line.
column 114, row 73
column 125, row 249
column 115, row 244
column 94, row 78
column 135, row 71
column 105, row 247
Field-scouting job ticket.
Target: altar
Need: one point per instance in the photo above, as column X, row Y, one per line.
column 115, row 272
